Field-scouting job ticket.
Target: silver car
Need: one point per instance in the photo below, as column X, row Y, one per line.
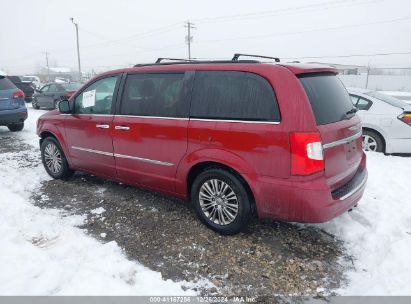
column 386, row 121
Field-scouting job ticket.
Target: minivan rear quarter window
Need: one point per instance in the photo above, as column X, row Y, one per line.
column 233, row 95
column 328, row 97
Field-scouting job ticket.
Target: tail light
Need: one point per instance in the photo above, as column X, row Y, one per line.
column 306, row 153
column 405, row 117
column 18, row 94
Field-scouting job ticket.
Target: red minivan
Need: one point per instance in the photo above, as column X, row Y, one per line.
column 235, row 138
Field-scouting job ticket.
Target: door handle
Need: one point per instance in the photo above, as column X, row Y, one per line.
column 123, row 128
column 103, row 126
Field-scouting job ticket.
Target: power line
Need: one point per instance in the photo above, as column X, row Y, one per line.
column 305, row 32
column 285, row 11
column 157, row 31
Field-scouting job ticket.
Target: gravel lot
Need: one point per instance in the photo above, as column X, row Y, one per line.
column 269, row 258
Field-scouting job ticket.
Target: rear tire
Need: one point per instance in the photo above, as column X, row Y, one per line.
column 16, row 127
column 371, row 141
column 221, row 201
column 54, row 160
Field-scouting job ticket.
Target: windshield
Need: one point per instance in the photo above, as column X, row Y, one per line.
column 72, row 86
column 388, row 99
column 328, row 97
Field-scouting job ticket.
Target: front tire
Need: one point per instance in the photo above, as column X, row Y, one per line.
column 221, row 201
column 371, row 141
column 54, row 160
column 16, row 127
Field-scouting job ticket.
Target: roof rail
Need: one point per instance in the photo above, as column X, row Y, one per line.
column 196, row 62
column 237, row 55
column 172, row 59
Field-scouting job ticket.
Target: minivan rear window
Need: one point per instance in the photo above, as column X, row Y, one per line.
column 6, row 84
column 328, row 97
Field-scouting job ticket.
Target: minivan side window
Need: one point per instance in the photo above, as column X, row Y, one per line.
column 154, row 94
column 96, row 98
column 233, row 95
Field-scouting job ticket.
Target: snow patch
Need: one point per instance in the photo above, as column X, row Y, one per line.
column 377, row 232
column 42, row 252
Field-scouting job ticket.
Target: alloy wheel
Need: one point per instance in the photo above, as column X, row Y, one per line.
column 369, row 143
column 52, row 157
column 218, row 202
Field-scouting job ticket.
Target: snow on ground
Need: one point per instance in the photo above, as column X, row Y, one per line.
column 43, row 253
column 378, row 232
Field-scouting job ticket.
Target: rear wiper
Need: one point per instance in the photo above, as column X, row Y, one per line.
column 352, row 111
column 348, row 113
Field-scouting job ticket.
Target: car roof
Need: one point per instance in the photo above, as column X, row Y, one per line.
column 296, row 68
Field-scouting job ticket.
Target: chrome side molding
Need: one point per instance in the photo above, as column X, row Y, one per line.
column 145, row 160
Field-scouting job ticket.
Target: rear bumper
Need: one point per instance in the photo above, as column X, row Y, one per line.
column 13, row 116
column 308, row 201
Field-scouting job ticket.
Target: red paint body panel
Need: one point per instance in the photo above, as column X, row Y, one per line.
column 82, row 132
column 164, row 140
column 259, row 152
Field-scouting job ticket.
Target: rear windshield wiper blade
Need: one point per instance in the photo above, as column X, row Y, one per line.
column 350, row 113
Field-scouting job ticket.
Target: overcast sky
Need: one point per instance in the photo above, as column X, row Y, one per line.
column 124, row 32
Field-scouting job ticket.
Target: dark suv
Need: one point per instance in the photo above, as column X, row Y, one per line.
column 234, row 137
column 13, row 111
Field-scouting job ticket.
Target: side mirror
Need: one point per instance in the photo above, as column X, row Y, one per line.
column 64, row 107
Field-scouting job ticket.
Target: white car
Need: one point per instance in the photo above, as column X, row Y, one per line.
column 386, row 121
column 35, row 80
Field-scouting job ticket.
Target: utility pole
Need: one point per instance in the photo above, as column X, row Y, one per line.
column 189, row 38
column 368, row 74
column 78, row 49
column 48, row 67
